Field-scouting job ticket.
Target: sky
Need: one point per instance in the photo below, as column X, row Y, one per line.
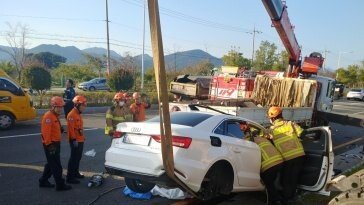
column 215, row 26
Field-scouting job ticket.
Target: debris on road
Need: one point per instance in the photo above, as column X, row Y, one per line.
column 91, row 153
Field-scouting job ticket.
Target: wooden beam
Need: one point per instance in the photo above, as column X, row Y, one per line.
column 160, row 75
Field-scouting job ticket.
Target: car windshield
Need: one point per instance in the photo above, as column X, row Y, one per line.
column 93, row 80
column 185, row 118
column 355, row 90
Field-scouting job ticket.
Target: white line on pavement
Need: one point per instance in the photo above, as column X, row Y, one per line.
column 14, row 136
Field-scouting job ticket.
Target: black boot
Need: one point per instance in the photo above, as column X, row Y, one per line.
column 79, row 176
column 63, row 187
column 45, row 184
column 72, row 181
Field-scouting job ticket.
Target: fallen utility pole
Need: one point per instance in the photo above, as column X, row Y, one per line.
column 160, row 75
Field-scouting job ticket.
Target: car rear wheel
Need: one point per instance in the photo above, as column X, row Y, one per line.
column 213, row 184
column 139, row 186
column 92, row 88
column 6, row 120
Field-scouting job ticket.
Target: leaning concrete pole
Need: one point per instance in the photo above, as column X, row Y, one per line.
column 160, row 75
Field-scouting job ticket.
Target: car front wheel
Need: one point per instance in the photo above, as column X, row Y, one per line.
column 92, row 88
column 139, row 186
column 6, row 120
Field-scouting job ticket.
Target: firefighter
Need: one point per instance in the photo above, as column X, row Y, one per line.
column 51, row 139
column 117, row 113
column 285, row 136
column 138, row 108
column 68, row 95
column 271, row 162
column 76, row 138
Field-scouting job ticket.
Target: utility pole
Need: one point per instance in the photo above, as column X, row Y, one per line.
column 142, row 83
column 107, row 39
column 254, row 32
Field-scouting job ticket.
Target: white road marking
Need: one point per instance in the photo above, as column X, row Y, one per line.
column 15, row 136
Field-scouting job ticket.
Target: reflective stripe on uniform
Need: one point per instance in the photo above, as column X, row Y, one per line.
column 286, row 140
column 270, row 155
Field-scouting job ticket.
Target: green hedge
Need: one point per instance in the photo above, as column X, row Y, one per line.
column 94, row 99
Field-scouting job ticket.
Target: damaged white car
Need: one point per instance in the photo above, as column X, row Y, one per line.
column 210, row 156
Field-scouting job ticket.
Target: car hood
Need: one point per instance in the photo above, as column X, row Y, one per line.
column 149, row 128
column 84, row 83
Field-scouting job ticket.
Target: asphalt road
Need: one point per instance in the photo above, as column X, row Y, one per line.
column 22, row 160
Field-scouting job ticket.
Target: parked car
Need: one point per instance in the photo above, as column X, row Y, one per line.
column 210, row 156
column 357, row 94
column 94, row 84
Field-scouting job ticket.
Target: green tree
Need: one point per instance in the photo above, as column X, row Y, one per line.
column 37, row 78
column 78, row 73
column 94, row 62
column 16, row 37
column 202, row 68
column 7, row 67
column 50, row 60
column 120, row 79
column 282, row 61
column 265, row 56
column 235, row 58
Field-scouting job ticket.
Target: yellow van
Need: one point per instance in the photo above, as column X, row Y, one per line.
column 15, row 103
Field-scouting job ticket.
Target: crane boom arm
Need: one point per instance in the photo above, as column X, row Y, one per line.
column 277, row 11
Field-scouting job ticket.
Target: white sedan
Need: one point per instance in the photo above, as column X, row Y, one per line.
column 210, row 155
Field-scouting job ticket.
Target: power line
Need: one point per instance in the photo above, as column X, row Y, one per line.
column 51, row 18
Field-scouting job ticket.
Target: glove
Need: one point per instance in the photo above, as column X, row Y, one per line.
column 74, row 143
column 52, row 149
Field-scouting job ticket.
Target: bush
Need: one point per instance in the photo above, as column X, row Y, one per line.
column 37, row 78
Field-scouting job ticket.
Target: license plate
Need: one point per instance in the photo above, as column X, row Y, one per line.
column 136, row 139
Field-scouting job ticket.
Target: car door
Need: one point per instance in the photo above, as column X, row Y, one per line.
column 13, row 97
column 245, row 154
column 319, row 160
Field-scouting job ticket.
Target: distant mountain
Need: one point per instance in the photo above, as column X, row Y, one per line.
column 100, row 52
column 72, row 53
column 4, row 55
column 180, row 60
column 176, row 61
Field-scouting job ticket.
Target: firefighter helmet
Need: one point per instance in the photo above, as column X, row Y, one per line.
column 79, row 99
column 274, row 111
column 119, row 96
column 57, row 101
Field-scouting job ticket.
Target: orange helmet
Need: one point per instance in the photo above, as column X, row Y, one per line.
column 119, row 96
column 136, row 95
column 274, row 111
column 57, row 101
column 79, row 99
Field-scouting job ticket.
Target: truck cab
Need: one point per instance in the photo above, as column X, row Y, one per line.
column 15, row 103
column 325, row 94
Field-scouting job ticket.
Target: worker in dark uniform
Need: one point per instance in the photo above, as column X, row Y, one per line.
column 68, row 96
column 51, row 139
column 76, row 139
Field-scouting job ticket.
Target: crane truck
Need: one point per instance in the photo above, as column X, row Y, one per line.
column 303, row 94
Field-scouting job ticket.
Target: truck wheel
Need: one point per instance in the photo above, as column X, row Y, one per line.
column 139, row 185
column 92, row 88
column 6, row 120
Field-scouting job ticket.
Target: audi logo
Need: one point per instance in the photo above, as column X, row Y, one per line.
column 135, row 129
